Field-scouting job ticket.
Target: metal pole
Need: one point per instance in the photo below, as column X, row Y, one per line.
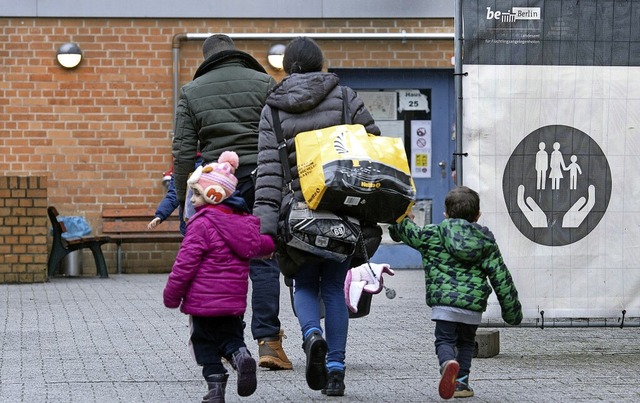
column 457, row 52
column 403, row 35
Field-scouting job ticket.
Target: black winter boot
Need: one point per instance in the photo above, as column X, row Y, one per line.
column 335, row 385
column 246, row 367
column 217, row 384
column 315, row 348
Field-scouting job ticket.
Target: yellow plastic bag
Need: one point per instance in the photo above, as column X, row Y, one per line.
column 346, row 170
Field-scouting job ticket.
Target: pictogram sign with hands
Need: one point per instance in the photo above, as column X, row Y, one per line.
column 557, row 198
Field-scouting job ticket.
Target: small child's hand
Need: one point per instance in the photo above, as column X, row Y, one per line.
column 153, row 223
column 269, row 256
column 171, row 305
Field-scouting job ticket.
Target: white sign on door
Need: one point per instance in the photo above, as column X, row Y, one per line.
column 421, row 148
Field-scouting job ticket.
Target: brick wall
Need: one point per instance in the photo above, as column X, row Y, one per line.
column 101, row 133
column 23, row 229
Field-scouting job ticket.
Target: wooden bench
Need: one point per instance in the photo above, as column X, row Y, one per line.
column 129, row 225
column 61, row 247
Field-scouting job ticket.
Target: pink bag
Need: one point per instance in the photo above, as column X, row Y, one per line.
column 362, row 282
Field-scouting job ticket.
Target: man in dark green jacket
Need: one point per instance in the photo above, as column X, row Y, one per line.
column 458, row 256
column 220, row 111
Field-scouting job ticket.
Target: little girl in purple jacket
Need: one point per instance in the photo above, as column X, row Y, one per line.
column 210, row 277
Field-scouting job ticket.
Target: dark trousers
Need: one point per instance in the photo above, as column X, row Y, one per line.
column 455, row 341
column 213, row 338
column 265, row 282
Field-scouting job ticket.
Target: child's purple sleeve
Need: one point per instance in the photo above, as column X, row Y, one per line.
column 267, row 246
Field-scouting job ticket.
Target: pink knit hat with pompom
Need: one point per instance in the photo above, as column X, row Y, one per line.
column 216, row 181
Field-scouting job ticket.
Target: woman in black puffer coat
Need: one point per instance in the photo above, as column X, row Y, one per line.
column 308, row 99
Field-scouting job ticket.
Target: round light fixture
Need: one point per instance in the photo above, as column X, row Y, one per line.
column 69, row 55
column 276, row 56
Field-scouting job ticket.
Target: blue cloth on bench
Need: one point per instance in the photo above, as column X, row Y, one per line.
column 76, row 226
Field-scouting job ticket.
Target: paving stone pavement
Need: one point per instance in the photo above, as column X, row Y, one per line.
column 112, row 340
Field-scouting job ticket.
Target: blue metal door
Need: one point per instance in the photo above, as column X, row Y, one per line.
column 438, row 87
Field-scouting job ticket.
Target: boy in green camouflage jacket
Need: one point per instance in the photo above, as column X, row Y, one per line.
column 459, row 256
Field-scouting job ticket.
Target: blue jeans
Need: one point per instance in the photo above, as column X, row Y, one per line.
column 323, row 280
column 265, row 298
column 265, row 281
column 455, row 341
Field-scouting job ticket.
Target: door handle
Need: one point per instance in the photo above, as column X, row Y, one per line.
column 443, row 168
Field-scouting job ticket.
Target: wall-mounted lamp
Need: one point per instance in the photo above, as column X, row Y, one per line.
column 69, row 55
column 276, row 55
